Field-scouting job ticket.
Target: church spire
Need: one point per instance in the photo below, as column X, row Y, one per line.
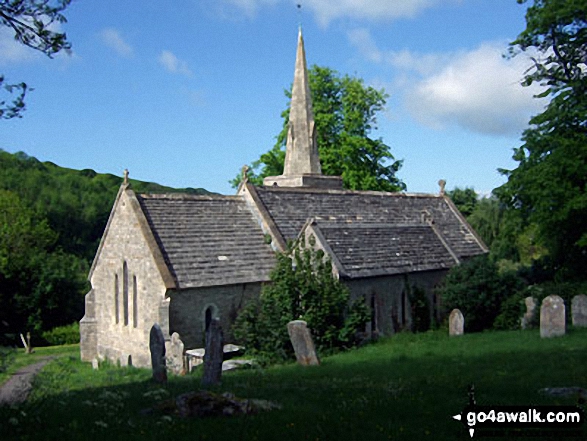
column 301, row 153
column 302, row 164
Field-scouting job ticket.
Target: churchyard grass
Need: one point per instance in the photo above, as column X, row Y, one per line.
column 405, row 387
column 20, row 358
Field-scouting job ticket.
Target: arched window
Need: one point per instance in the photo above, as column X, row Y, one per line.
column 135, row 308
column 125, row 292
column 116, row 299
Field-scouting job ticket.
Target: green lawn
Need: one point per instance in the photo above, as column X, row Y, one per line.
column 406, row 387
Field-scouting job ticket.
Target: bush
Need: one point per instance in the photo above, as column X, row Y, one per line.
column 62, row 335
column 303, row 287
column 511, row 311
column 477, row 288
column 6, row 357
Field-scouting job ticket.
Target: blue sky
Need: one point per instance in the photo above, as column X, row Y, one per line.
column 185, row 94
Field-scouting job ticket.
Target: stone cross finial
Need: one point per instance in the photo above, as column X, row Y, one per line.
column 442, row 184
column 125, row 176
column 245, row 172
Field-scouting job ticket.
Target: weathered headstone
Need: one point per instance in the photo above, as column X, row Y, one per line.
column 579, row 310
column 456, row 323
column 530, row 311
column 95, row 363
column 302, row 342
column 552, row 317
column 214, row 354
column 175, row 359
column 157, row 348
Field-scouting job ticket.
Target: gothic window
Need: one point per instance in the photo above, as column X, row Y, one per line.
column 135, row 310
column 116, row 299
column 125, row 292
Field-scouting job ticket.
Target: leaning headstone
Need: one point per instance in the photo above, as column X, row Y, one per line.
column 456, row 323
column 302, row 342
column 552, row 317
column 214, row 355
column 175, row 359
column 579, row 310
column 157, row 348
column 526, row 320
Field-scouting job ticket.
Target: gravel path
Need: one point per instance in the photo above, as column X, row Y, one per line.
column 17, row 389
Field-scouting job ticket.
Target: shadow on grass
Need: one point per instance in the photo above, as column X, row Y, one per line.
column 406, row 387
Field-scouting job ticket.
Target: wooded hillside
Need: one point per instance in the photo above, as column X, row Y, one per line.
column 51, row 222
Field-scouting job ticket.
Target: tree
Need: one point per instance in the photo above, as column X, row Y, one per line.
column 465, row 199
column 303, row 287
column 32, row 22
column 548, row 187
column 345, row 115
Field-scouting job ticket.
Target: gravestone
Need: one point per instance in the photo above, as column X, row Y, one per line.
column 157, row 348
column 579, row 310
column 302, row 342
column 552, row 317
column 530, row 311
column 175, row 359
column 456, row 323
column 214, row 354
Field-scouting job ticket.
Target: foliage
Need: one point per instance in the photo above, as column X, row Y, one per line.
column 303, row 287
column 511, row 311
column 6, row 357
column 549, row 185
column 478, row 289
column 422, row 319
column 51, row 222
column 33, row 23
column 465, row 199
column 345, row 114
column 40, row 286
column 62, row 335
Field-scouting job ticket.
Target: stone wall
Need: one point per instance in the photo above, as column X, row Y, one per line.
column 124, row 259
column 387, row 297
column 187, row 310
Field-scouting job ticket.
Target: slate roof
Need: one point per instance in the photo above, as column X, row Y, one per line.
column 208, row 240
column 290, row 208
column 367, row 250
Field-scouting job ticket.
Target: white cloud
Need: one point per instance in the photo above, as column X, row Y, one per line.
column 112, row 38
column 376, row 10
column 479, row 90
column 250, row 7
column 329, row 10
column 173, row 64
column 11, row 51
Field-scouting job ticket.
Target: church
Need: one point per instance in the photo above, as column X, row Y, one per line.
column 182, row 260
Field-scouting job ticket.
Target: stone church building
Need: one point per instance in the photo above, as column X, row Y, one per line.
column 181, row 260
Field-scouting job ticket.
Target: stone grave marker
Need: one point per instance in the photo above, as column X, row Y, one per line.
column 456, row 323
column 302, row 342
column 214, row 354
column 530, row 311
column 157, row 348
column 579, row 310
column 552, row 317
column 175, row 359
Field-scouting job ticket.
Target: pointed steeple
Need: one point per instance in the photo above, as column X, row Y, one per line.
column 301, row 153
column 302, row 163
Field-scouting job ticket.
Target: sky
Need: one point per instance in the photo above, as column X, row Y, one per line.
column 187, row 93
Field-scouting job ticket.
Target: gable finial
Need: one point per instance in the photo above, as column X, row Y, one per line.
column 125, row 182
column 442, row 184
column 245, row 173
